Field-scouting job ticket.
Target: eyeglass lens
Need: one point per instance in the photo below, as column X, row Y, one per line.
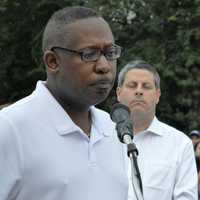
column 91, row 54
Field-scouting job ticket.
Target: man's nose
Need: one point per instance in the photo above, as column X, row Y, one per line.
column 139, row 91
column 102, row 65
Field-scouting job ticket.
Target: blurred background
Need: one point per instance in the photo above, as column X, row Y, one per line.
column 165, row 33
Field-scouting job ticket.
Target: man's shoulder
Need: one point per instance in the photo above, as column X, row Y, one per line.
column 174, row 142
column 21, row 109
column 27, row 104
column 173, row 132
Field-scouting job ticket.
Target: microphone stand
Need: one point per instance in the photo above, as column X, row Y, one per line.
column 135, row 173
column 121, row 115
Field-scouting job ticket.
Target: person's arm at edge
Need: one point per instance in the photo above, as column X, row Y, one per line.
column 185, row 187
column 10, row 160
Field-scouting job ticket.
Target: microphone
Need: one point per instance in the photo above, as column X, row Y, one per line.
column 120, row 114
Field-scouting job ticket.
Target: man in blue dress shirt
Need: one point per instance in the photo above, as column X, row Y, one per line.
column 54, row 144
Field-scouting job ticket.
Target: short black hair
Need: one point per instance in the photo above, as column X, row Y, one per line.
column 56, row 26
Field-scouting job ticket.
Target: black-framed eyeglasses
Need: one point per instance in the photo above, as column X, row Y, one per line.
column 93, row 54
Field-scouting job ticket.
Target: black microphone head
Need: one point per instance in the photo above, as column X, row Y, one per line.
column 119, row 112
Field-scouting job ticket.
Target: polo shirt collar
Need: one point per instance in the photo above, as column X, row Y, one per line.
column 54, row 112
column 102, row 122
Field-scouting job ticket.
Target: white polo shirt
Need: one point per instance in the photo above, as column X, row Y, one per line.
column 45, row 156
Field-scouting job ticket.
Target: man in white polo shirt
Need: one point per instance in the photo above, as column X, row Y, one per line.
column 54, row 144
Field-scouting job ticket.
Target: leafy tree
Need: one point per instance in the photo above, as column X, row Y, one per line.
column 164, row 33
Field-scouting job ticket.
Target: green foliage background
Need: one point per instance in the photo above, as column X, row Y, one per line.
column 166, row 33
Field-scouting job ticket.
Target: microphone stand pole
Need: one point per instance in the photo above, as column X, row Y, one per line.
column 135, row 173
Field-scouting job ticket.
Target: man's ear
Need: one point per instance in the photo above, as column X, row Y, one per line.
column 118, row 90
column 158, row 94
column 51, row 61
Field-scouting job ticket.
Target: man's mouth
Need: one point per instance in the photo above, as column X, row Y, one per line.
column 138, row 102
column 102, row 84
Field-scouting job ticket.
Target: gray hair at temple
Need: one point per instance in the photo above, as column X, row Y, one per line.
column 56, row 30
column 138, row 64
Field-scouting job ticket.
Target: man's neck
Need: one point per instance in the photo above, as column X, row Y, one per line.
column 82, row 119
column 79, row 113
column 141, row 124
